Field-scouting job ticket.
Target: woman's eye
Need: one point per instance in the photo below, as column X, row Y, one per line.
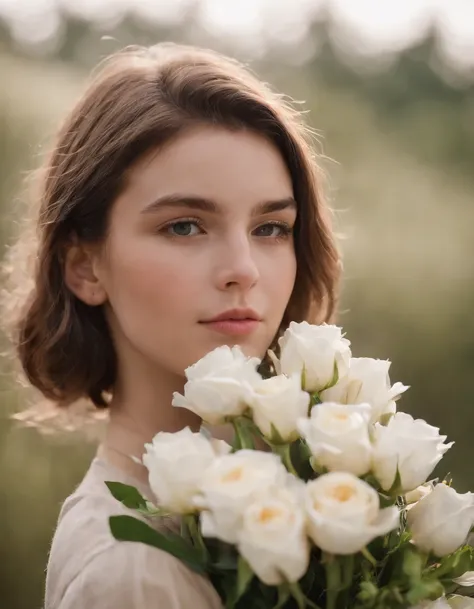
column 183, row 228
column 273, row 230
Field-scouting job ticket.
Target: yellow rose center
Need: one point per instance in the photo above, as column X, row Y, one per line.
column 268, row 513
column 233, row 475
column 342, row 493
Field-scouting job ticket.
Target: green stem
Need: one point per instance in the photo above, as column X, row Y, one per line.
column 237, row 443
column 195, row 533
column 348, row 571
column 284, row 450
column 242, row 436
column 366, row 554
column 301, row 600
column 314, row 399
column 184, row 528
column 333, row 580
column 283, row 596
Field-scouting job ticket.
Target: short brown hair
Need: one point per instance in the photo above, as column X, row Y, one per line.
column 140, row 99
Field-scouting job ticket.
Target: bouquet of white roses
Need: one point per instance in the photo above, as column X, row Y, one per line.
column 334, row 511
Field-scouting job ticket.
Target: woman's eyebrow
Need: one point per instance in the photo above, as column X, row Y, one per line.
column 178, row 200
column 207, row 205
column 268, row 207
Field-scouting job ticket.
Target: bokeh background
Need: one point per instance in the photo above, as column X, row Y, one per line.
column 388, row 85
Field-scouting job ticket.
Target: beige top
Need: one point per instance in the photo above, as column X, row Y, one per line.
column 89, row 569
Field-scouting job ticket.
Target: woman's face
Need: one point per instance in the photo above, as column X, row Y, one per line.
column 203, row 229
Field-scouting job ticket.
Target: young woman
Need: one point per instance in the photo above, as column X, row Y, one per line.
column 180, row 209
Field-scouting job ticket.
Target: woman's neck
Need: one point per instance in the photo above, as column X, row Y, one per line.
column 138, row 411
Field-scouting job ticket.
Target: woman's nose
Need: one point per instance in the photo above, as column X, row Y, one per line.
column 237, row 266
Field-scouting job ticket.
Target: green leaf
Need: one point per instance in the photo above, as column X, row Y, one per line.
column 128, row 495
column 275, row 437
column 128, row 528
column 396, row 486
column 456, row 564
column 372, row 481
column 225, row 586
column 368, row 592
column 225, row 563
column 304, row 452
column 317, row 468
column 396, row 541
column 397, row 595
column 428, row 589
column 413, row 564
column 303, row 377
column 300, row 456
column 335, row 376
column 301, row 600
column 223, row 556
column 244, row 577
column 283, row 596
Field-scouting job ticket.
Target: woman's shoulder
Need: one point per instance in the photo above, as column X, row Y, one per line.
column 89, row 507
column 82, row 529
column 87, row 567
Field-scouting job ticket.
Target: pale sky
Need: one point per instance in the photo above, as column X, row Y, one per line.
column 362, row 26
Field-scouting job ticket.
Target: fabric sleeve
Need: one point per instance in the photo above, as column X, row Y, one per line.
column 136, row 576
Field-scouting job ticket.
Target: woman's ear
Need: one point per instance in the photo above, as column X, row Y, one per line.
column 80, row 274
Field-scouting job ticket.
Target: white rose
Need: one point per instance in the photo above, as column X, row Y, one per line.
column 441, row 521
column 279, row 401
column 418, row 493
column 466, row 579
column 367, row 382
column 176, row 463
column 344, row 513
column 457, row 601
column 319, row 353
column 439, row 603
column 221, row 447
column 230, row 484
column 409, row 446
column 215, row 389
column 338, row 437
column 273, row 538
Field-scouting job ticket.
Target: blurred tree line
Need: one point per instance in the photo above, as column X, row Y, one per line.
column 397, row 144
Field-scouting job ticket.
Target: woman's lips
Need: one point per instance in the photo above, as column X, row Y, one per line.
column 233, row 327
